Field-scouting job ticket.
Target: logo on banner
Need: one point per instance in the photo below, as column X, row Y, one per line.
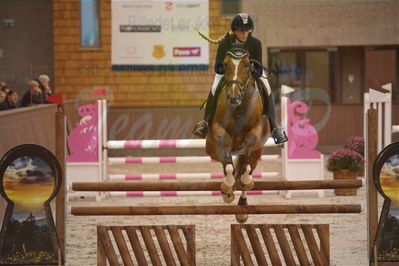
column 186, row 51
column 168, row 5
column 140, row 28
column 158, row 51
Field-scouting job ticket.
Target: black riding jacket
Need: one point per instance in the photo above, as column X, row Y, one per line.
column 252, row 45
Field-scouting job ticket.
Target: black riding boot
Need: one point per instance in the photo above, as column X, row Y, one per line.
column 278, row 133
column 201, row 129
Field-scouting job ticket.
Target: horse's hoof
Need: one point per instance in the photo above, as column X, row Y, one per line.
column 228, row 198
column 241, row 218
column 244, row 187
column 243, row 201
column 226, row 189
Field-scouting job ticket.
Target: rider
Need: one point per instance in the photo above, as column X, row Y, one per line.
column 242, row 26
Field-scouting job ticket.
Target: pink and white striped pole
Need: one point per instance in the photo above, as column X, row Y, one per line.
column 182, row 159
column 183, row 176
column 166, row 143
column 181, row 193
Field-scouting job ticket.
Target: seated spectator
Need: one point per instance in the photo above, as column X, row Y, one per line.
column 44, row 85
column 33, row 96
column 11, row 101
column 3, row 96
column 5, row 89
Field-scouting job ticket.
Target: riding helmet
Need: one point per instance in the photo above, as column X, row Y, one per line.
column 242, row 21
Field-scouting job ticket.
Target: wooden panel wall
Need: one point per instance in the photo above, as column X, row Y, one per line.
column 35, row 125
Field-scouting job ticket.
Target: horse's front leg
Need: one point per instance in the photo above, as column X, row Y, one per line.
column 222, row 147
column 247, row 162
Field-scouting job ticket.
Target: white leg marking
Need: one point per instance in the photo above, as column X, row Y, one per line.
column 246, row 178
column 243, row 194
column 229, row 178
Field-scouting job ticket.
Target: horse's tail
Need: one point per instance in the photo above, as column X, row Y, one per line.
column 207, row 38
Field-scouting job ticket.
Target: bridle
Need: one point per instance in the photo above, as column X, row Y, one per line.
column 239, row 53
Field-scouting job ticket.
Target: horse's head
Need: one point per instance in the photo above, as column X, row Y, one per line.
column 237, row 74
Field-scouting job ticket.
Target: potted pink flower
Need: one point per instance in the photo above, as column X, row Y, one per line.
column 356, row 143
column 345, row 163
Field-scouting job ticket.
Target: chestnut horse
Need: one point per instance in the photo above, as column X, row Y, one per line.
column 238, row 127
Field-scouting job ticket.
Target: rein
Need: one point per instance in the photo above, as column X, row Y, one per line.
column 269, row 73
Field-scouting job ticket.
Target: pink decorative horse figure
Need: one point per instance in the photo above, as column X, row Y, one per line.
column 238, row 128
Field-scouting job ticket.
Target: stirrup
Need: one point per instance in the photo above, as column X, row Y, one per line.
column 279, row 136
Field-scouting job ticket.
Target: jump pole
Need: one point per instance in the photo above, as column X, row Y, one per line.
column 215, row 210
column 204, row 186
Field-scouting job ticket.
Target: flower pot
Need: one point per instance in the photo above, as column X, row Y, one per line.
column 345, row 174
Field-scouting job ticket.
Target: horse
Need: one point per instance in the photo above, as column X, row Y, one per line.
column 237, row 127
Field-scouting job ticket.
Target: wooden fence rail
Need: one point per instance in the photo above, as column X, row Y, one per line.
column 214, row 209
column 204, row 186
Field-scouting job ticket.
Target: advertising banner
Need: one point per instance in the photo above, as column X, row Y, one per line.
column 159, row 35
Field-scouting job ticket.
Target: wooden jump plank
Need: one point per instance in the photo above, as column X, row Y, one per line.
column 234, row 252
column 312, row 245
column 189, row 234
column 178, row 244
column 298, row 245
column 270, row 246
column 213, row 186
column 101, row 256
column 163, row 243
column 150, row 245
column 284, row 245
column 239, row 241
column 121, row 244
column 323, row 233
column 255, row 243
column 107, row 245
column 135, row 242
column 215, row 209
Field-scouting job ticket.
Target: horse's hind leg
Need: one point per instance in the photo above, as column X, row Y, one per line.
column 242, row 218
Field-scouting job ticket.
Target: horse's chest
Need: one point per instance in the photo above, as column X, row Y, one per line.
column 241, row 122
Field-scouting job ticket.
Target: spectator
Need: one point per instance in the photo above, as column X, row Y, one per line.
column 33, row 96
column 2, row 84
column 5, row 89
column 44, row 85
column 11, row 101
column 3, row 96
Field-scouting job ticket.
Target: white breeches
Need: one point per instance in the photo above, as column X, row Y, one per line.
column 216, row 81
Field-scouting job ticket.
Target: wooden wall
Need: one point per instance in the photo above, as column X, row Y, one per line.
column 78, row 69
column 34, row 125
